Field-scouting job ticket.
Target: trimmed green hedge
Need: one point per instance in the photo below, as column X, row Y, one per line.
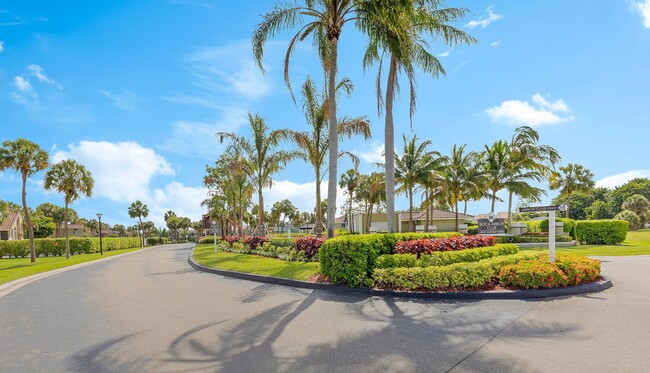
column 282, row 242
column 444, row 258
column 529, row 239
column 456, row 276
column 602, row 232
column 56, row 246
column 569, row 226
column 351, row 259
column 153, row 241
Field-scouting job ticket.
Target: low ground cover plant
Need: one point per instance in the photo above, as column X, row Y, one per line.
column 254, row 242
column 308, row 245
column 426, row 246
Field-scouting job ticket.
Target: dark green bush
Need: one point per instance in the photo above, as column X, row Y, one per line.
column 282, row 241
column 351, row 259
column 569, row 226
column 209, row 239
column 445, row 257
column 153, row 241
column 56, row 246
column 601, row 232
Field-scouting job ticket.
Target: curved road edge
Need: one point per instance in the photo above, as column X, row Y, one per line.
column 593, row 287
column 14, row 285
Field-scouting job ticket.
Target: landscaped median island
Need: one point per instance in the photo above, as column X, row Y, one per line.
column 431, row 262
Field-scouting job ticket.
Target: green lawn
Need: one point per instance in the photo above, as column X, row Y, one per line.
column 13, row 269
column 637, row 243
column 204, row 254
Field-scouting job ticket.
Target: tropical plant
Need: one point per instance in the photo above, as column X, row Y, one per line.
column 458, row 176
column 74, row 181
column 139, row 210
column 26, row 158
column 349, row 181
column 571, row 178
column 401, row 36
column 639, row 205
column 313, row 145
column 260, row 158
column 371, row 191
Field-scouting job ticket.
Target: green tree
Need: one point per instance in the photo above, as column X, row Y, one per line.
column 459, row 178
column 630, row 217
column 74, row 181
column 139, row 210
column 371, row 192
column 349, row 181
column 620, row 194
column 401, row 36
column 43, row 226
column 571, row 178
column 313, row 144
column 120, row 229
column 597, row 210
column 639, row 205
column 261, row 159
column 26, row 158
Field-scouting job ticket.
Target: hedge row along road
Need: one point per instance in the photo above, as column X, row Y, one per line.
column 149, row 311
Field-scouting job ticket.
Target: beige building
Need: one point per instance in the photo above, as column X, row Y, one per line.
column 439, row 221
column 74, row 230
column 12, row 227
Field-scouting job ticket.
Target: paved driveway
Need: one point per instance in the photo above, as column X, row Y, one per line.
column 150, row 311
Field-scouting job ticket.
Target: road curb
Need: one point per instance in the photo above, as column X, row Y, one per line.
column 593, row 287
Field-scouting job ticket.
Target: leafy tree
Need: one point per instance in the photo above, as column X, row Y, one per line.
column 120, row 229
column 371, row 192
column 571, row 178
column 620, row 194
column 26, row 158
column 284, row 209
column 597, row 211
column 639, row 205
column 8, row 208
column 400, row 35
column 57, row 213
column 349, row 181
column 630, row 217
column 261, row 159
column 43, row 226
column 73, row 180
column 496, row 161
column 582, row 201
column 139, row 210
column 459, row 178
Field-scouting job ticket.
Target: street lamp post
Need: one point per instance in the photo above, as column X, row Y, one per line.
column 101, row 249
column 214, row 230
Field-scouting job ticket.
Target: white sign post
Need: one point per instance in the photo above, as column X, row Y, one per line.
column 551, row 225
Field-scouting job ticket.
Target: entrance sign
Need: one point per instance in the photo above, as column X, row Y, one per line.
column 551, row 224
column 491, row 226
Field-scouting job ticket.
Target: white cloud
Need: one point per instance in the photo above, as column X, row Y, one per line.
column 303, row 196
column 495, row 44
column 541, row 112
column 444, row 54
column 372, row 155
column 485, row 22
column 2, row 46
column 622, row 178
column 183, row 200
column 462, row 64
column 643, row 8
column 37, row 71
column 125, row 101
column 22, row 84
column 122, row 171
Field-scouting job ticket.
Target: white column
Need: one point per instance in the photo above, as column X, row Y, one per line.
column 551, row 236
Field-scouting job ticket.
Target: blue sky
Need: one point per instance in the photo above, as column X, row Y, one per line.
column 136, row 91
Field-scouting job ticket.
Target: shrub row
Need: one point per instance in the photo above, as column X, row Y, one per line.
column 56, row 246
column 153, row 241
column 602, row 232
column 351, row 259
column 209, row 239
column 267, row 250
column 439, row 259
column 443, row 244
column 537, row 238
column 567, row 270
column 456, row 276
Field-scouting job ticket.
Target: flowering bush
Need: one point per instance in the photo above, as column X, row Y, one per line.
column 308, row 245
column 578, row 269
column 443, row 244
column 253, row 242
column 232, row 239
column 533, row 274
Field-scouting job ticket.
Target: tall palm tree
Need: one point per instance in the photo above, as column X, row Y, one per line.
column 412, row 169
column 571, row 178
column 313, row 145
column 350, row 181
column 496, row 162
column 325, row 20
column 403, row 41
column 139, row 210
column 73, row 180
column 27, row 158
column 456, row 172
column 261, row 159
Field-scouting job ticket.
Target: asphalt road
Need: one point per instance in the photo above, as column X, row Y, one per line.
column 150, row 312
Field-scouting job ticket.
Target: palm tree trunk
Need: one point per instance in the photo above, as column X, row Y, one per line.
column 28, row 220
column 333, row 139
column 141, row 232
column 568, row 205
column 494, row 198
column 509, row 211
column 261, row 229
column 318, row 226
column 465, row 208
column 389, row 147
column 67, row 238
column 456, row 210
column 241, row 216
column 350, row 225
column 426, row 202
column 411, row 224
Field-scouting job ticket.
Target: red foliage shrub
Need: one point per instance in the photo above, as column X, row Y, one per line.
column 308, row 245
column 231, row 239
column 443, row 244
column 253, row 242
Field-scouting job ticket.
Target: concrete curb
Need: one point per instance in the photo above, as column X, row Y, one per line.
column 14, row 285
column 593, row 287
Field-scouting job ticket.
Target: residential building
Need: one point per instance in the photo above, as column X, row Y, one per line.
column 439, row 221
column 12, row 227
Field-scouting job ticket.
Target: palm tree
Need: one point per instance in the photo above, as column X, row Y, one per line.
column 571, row 178
column 412, row 169
column 261, row 159
column 27, row 158
column 496, row 162
column 402, row 40
column 350, row 181
column 326, row 19
column 314, row 144
column 73, row 180
column 139, row 210
column 460, row 179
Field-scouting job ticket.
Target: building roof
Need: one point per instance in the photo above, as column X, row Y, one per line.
column 9, row 223
column 340, row 220
column 433, row 215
